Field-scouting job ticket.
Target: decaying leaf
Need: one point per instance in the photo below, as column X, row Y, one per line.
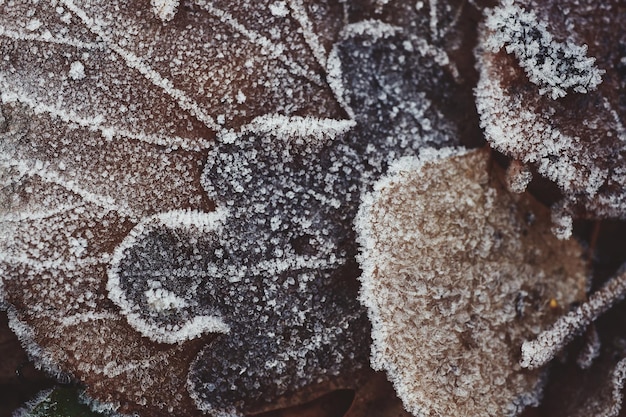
column 127, row 124
column 552, row 94
column 291, row 200
column 605, row 399
column 554, row 66
column 457, row 272
column 19, row 380
column 599, row 393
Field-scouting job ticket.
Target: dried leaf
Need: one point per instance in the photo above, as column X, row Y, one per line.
column 457, row 272
column 291, row 202
column 576, row 141
column 19, row 380
column 538, row 352
column 109, row 114
column 125, row 130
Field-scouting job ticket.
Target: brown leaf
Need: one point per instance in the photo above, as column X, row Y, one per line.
column 457, row 272
column 182, row 179
column 551, row 94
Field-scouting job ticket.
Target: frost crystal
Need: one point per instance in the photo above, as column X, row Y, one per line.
column 165, row 9
column 152, row 250
column 554, row 66
column 77, row 70
column 292, row 199
column 518, row 177
column 462, row 272
column 590, row 350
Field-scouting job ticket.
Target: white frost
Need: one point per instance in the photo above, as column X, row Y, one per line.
column 444, row 260
column 165, row 9
column 77, row 70
column 162, row 300
column 279, row 9
column 540, row 351
column 554, row 66
column 293, row 128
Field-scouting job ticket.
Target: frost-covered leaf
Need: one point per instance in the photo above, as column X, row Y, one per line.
column 601, row 395
column 554, row 66
column 444, row 31
column 109, row 112
column 457, row 272
column 59, row 230
column 538, row 352
column 291, row 202
column 124, row 131
column 606, row 398
column 576, row 141
column 215, row 66
column 19, row 380
column 151, row 267
column 597, row 390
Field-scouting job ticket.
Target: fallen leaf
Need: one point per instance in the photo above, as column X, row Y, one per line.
column 551, row 94
column 457, row 273
column 180, row 190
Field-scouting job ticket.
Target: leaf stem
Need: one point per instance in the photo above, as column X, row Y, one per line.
column 540, row 351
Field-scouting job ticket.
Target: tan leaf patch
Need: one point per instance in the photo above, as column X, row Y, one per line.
column 457, row 272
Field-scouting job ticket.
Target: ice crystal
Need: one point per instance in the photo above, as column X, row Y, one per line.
column 165, row 9
column 150, row 266
column 518, row 177
column 291, row 206
column 460, row 271
column 591, row 348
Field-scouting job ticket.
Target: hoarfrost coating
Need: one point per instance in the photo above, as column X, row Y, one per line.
column 554, row 66
column 577, row 141
column 187, row 183
column 462, row 271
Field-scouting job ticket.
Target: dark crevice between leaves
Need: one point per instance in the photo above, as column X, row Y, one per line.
column 333, row 404
column 59, row 402
column 19, row 379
